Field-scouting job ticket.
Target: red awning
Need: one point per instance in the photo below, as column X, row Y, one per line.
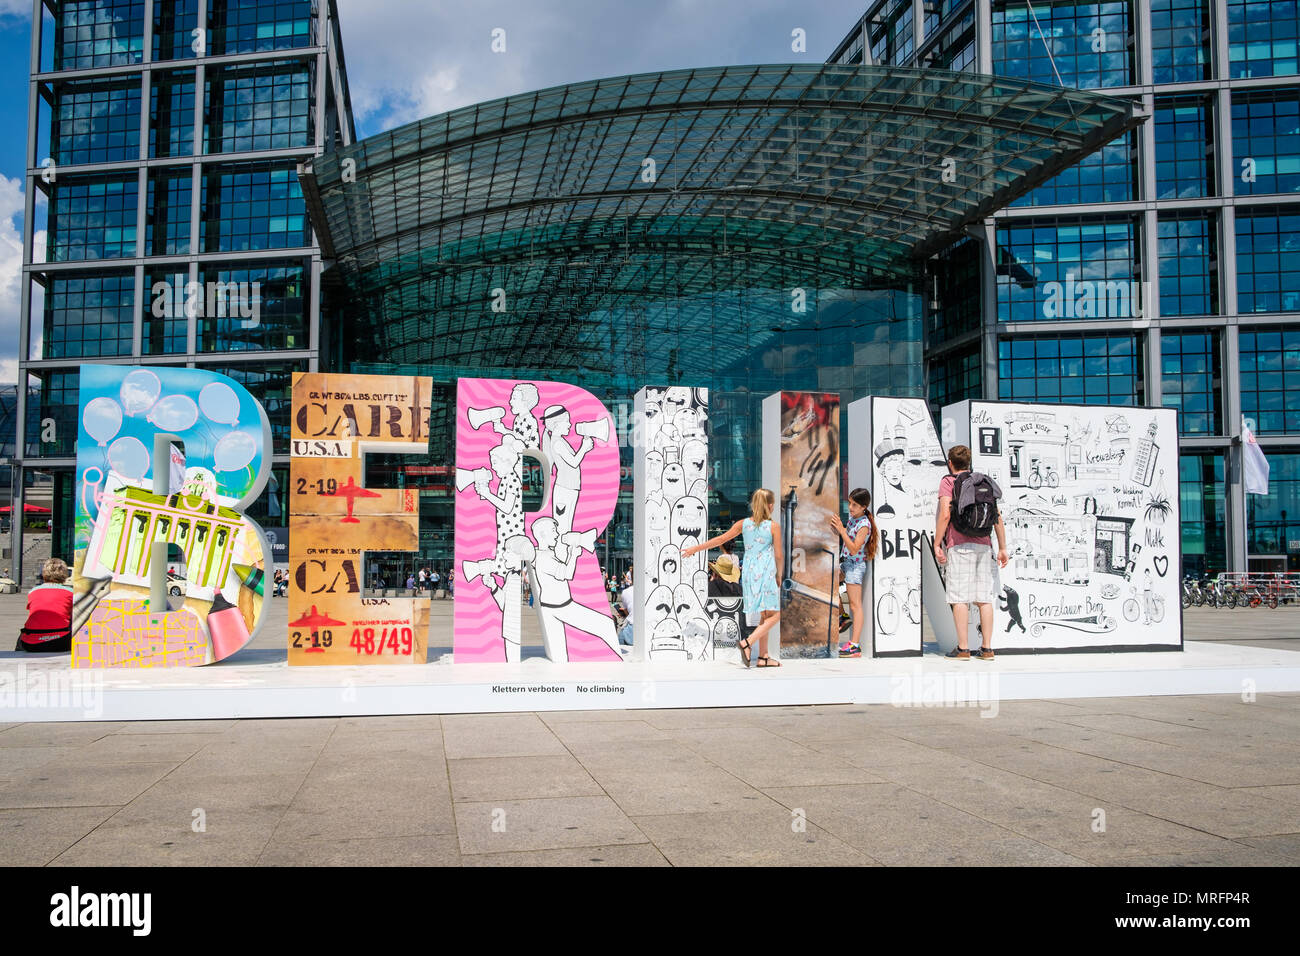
column 27, row 510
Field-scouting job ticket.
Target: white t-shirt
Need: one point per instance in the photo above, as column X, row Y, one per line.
column 628, row 600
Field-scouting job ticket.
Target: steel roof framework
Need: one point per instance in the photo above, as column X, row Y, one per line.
column 766, row 177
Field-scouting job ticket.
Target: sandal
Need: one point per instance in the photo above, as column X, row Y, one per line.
column 743, row 645
column 769, row 662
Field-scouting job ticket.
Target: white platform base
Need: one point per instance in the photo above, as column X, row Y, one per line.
column 261, row 684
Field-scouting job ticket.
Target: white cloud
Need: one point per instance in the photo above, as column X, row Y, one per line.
column 408, row 60
column 15, row 8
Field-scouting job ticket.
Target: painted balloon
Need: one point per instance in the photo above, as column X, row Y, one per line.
column 128, row 457
column 140, row 390
column 219, row 403
column 234, row 451
column 175, row 413
column 102, row 418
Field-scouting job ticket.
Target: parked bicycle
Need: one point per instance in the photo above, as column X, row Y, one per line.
column 1047, row 477
column 889, row 609
column 1254, row 596
column 1155, row 607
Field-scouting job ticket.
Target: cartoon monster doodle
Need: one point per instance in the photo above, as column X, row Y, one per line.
column 674, row 482
column 668, row 436
column 670, row 564
column 700, row 582
column 676, row 399
column 695, row 461
column 656, row 510
column 688, row 423
column 659, row 607
column 654, row 473
column 696, row 563
column 687, row 518
column 653, row 418
column 667, row 637
column 693, row 620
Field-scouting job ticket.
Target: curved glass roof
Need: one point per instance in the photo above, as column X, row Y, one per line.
column 852, row 161
column 662, row 203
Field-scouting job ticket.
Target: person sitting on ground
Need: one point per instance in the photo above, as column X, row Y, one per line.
column 49, row 613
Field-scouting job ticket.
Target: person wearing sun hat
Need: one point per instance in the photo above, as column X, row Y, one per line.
column 724, row 582
column 726, row 569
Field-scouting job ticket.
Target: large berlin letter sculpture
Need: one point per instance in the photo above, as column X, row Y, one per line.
column 167, row 459
column 569, row 430
column 334, row 519
column 1090, row 504
column 670, row 453
column 895, row 454
column 801, row 466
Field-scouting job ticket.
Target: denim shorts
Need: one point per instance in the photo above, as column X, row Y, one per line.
column 855, row 572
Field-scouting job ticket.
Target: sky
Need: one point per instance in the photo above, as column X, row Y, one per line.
column 407, row 59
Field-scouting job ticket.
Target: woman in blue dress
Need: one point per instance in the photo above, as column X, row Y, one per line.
column 759, row 577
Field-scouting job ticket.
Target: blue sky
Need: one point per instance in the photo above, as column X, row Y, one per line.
column 408, row 59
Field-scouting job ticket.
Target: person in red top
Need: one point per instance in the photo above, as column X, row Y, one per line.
column 968, row 562
column 49, row 613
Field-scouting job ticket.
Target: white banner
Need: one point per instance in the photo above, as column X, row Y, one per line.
column 1254, row 464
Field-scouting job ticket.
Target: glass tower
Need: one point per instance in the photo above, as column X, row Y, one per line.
column 1163, row 269
column 163, row 143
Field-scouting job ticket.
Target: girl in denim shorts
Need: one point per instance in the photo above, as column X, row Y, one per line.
column 858, row 541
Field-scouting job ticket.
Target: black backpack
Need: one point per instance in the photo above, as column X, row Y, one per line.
column 978, row 518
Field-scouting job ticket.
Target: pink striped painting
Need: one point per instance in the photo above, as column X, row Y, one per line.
column 479, row 626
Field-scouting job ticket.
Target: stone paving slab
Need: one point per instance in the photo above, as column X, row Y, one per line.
column 480, row 779
column 636, row 854
column 34, row 836
column 543, row 824
column 767, row 836
column 135, row 837
column 383, row 851
column 902, row 827
column 78, row 785
column 1188, row 781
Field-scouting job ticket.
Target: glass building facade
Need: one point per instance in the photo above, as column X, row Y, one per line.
column 1197, row 213
column 744, row 229
column 165, row 136
column 693, row 210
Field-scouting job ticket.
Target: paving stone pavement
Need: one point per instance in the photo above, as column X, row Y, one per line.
column 1119, row 781
column 1124, row 781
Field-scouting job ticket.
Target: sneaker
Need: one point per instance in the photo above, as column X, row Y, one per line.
column 850, row 650
column 958, row 654
column 985, row 653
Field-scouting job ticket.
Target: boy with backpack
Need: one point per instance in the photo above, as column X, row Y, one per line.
column 968, row 514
